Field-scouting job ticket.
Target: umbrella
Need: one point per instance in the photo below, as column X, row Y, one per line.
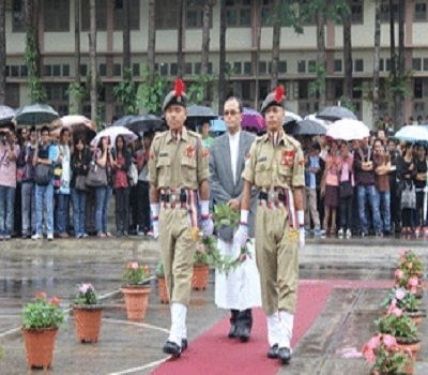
column 35, row 114
column 6, row 114
column 252, row 120
column 290, row 117
column 78, row 125
column 348, row 130
column 412, row 133
column 141, row 124
column 218, row 126
column 201, row 112
column 113, row 132
column 309, row 127
column 335, row 113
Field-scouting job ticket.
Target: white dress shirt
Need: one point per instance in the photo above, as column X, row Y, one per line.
column 234, row 151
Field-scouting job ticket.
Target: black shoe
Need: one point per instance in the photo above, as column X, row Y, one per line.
column 284, row 355
column 273, row 352
column 233, row 332
column 172, row 348
column 243, row 333
column 184, row 345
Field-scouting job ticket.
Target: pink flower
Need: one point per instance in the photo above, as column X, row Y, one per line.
column 389, row 341
column 133, row 265
column 397, row 312
column 413, row 282
column 84, row 288
column 400, row 294
column 369, row 354
column 55, row 301
column 374, row 342
column 398, row 274
column 41, row 295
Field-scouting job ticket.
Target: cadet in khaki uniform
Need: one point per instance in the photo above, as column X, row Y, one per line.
column 275, row 165
column 178, row 171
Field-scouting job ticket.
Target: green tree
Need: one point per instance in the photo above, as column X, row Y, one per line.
column 151, row 92
column 126, row 93
column 198, row 88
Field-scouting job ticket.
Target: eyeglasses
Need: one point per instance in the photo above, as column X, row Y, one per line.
column 231, row 112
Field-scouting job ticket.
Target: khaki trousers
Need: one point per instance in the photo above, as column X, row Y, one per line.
column 311, row 209
column 277, row 260
column 177, row 250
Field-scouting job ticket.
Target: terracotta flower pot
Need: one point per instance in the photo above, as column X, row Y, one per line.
column 414, row 347
column 408, row 369
column 200, row 277
column 87, row 321
column 416, row 316
column 39, row 346
column 163, row 291
column 136, row 301
column 419, row 292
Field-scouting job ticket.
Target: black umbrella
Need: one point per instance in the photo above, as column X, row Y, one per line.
column 309, row 127
column 35, row 114
column 335, row 113
column 201, row 112
column 141, row 123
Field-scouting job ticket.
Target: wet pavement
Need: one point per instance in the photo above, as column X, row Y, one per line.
column 126, row 347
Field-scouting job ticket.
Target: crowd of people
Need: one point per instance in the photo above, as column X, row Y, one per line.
column 382, row 180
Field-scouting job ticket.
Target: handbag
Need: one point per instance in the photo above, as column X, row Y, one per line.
column 97, row 176
column 408, row 195
column 43, row 174
column 81, row 183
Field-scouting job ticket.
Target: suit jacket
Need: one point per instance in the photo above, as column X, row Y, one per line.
column 223, row 188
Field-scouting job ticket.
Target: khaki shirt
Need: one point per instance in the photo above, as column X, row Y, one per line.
column 281, row 166
column 176, row 165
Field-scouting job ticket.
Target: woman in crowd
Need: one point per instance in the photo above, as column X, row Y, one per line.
column 331, row 188
column 420, row 185
column 406, row 171
column 80, row 161
column 346, row 190
column 103, row 158
column 120, row 164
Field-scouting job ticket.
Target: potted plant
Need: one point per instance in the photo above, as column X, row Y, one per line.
column 386, row 357
column 400, row 326
column 87, row 314
column 409, row 273
column 136, row 290
column 163, row 291
column 40, row 321
column 200, row 269
column 407, row 302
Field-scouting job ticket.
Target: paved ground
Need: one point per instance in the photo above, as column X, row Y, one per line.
column 56, row 267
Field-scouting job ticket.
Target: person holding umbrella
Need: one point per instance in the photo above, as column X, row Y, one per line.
column 421, row 186
column 178, row 173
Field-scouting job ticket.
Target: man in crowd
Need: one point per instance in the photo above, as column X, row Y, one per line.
column 178, row 171
column 9, row 152
column 276, row 166
column 239, row 290
column 46, row 155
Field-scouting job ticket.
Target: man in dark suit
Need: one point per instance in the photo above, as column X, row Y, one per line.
column 239, row 290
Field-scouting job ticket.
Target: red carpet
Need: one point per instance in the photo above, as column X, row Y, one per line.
column 213, row 353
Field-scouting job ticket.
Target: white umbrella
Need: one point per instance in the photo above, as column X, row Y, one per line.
column 348, row 130
column 412, row 133
column 113, row 132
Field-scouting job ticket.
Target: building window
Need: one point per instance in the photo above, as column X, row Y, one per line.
column 174, row 69
column 83, row 70
column 166, row 14
column 198, row 68
column 134, row 15
column 418, row 88
column 47, row 70
column 188, row 68
column 56, row 70
column 57, row 95
column 101, row 15
column 117, row 70
column 248, row 68
column 381, row 65
column 312, row 66
column 262, row 67
column 12, row 95
column 102, row 68
column 359, row 65
column 238, row 13
column 425, row 64
column 388, row 65
column 237, row 68
column 14, row 70
column 337, row 65
column 303, row 89
column 57, row 15
column 195, row 15
column 357, row 11
column 163, row 69
column 66, row 70
column 301, row 66
column 18, row 16
column 282, row 67
column 136, row 70
column 385, row 11
column 417, row 64
column 420, row 11
column 338, row 89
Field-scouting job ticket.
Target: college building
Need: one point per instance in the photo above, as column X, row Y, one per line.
column 298, row 52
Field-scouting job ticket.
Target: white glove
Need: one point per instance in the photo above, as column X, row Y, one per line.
column 155, row 229
column 207, row 227
column 301, row 237
column 241, row 235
